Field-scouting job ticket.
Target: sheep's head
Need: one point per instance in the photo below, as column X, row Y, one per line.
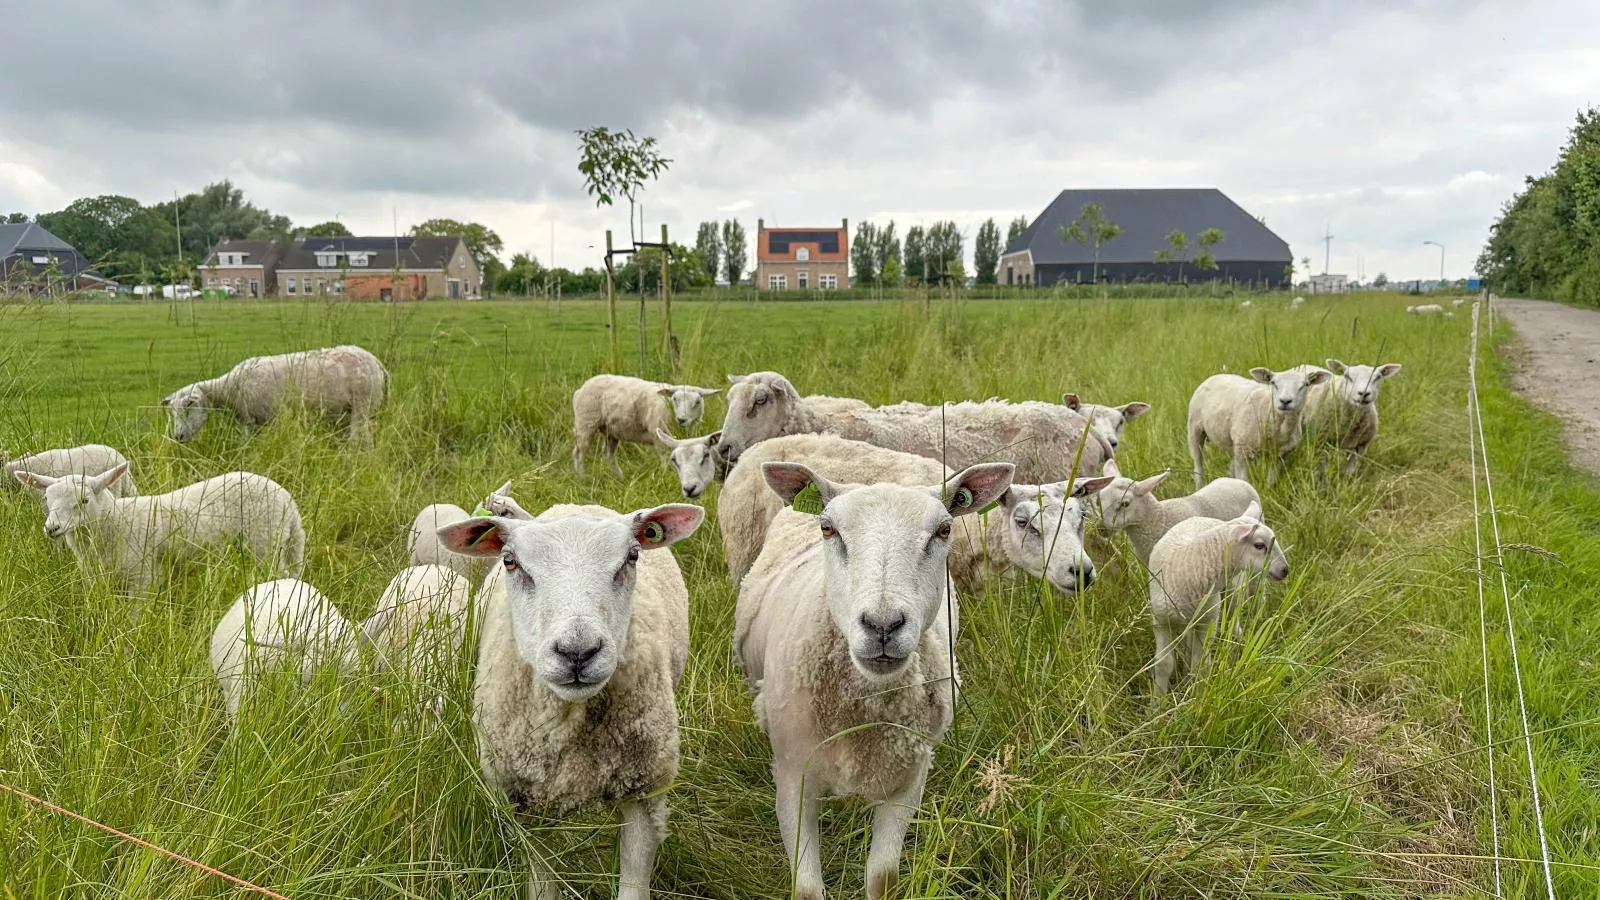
column 1107, row 420
column 1126, row 502
column 1289, row 388
column 1251, row 547
column 187, row 405
column 884, row 553
column 759, row 407
column 1358, row 385
column 694, row 459
column 688, row 402
column 1043, row 534
column 71, row 500
column 569, row 585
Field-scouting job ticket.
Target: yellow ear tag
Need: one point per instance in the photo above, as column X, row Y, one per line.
column 809, row 500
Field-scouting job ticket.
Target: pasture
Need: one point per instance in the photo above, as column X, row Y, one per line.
column 1337, row 751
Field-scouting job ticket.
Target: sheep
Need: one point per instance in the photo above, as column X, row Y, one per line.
column 420, row 623
column 1297, row 302
column 1246, row 304
column 1426, row 309
column 1041, row 439
column 88, row 459
column 336, row 382
column 1108, row 420
column 1459, row 302
column 1196, row 567
column 831, row 641
column 270, row 623
column 696, row 461
column 124, row 535
column 1344, row 410
column 1036, row 529
column 619, row 408
column 1247, row 417
column 584, row 641
column 1132, row 507
column 422, row 542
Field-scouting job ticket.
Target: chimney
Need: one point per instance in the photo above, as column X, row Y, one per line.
column 761, row 225
column 845, row 224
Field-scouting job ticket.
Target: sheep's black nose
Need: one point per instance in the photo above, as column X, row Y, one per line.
column 884, row 625
column 578, row 654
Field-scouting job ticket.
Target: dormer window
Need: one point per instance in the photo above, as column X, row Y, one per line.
column 358, row 259
column 327, row 259
column 802, row 254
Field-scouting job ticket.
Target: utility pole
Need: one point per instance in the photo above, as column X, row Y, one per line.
column 1327, row 248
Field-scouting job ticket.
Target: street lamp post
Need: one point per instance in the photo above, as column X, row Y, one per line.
column 1441, row 258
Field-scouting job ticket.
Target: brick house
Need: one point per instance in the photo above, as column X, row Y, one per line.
column 243, row 268
column 364, row 268
column 802, row 258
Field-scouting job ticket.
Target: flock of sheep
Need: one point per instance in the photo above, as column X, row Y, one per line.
column 851, row 531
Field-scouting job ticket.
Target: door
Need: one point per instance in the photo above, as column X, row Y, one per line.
column 802, row 279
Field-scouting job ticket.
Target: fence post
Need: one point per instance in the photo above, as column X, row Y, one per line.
column 611, row 305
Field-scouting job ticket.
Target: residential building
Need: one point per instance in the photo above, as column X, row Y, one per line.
column 368, row 268
column 802, row 258
column 1249, row 252
column 1329, row 284
column 33, row 260
column 243, row 268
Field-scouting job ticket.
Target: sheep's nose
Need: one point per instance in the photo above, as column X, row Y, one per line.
column 691, row 493
column 1083, row 576
column 578, row 653
column 884, row 625
column 1366, row 396
column 1285, row 404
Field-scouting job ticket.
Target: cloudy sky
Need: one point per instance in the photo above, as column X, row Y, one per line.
column 1389, row 122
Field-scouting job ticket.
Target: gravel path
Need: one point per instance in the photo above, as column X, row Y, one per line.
column 1557, row 364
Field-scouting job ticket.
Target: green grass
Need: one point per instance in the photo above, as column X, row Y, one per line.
column 1337, row 752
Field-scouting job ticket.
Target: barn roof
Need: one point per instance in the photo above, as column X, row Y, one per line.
column 1146, row 216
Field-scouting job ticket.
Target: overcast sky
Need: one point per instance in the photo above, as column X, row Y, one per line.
column 1389, row 122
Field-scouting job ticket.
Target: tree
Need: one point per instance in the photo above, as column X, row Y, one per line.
column 941, row 247
column 1176, row 251
column 1092, row 229
column 890, row 276
column 688, row 271
column 17, row 218
column 1207, row 240
column 524, row 277
column 1381, row 281
column 955, row 273
column 864, row 254
column 332, row 228
column 1016, row 228
column 734, row 251
column 916, row 268
column 617, row 163
column 1305, row 263
column 888, row 249
column 116, row 234
column 986, row 252
column 218, row 211
column 708, row 246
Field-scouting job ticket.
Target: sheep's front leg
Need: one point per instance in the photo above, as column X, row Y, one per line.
column 890, row 820
column 1161, row 669
column 644, row 826
column 797, row 821
column 1352, row 463
column 1195, row 641
column 611, row 453
column 1239, row 466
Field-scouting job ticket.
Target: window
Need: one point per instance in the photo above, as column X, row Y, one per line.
column 288, row 286
column 802, row 254
column 238, row 285
column 327, row 259
column 214, row 282
column 828, row 282
column 305, row 286
column 358, row 259
column 338, row 286
column 801, row 278
column 322, row 287
column 777, row 282
column 41, row 260
column 255, row 287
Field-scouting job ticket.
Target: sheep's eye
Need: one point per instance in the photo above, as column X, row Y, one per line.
column 1261, row 545
column 633, row 554
column 943, row 533
column 1124, row 504
column 761, row 399
column 828, row 530
column 510, row 563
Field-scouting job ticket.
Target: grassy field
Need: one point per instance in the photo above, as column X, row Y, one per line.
column 1337, row 752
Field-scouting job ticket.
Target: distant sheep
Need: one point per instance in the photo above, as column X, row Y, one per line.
column 1132, row 507
column 422, row 538
column 274, row 623
column 1108, row 420
column 619, row 408
column 1344, row 411
column 1426, row 309
column 126, row 536
column 696, row 461
column 1246, row 304
column 345, row 382
column 89, row 459
column 1297, row 302
column 1250, row 417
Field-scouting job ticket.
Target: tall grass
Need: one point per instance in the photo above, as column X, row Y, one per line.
column 1336, row 751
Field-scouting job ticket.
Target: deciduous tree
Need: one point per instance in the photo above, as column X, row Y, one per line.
column 986, row 252
column 1092, row 229
column 708, row 246
column 735, row 254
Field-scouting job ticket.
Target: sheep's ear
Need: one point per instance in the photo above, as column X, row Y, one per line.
column 1262, row 374
column 667, row 524
column 735, row 379
column 1318, row 377
column 108, row 478
column 1253, row 511
column 1134, row 410
column 1070, row 400
column 480, row 536
column 39, row 482
column 713, row 438
column 1083, row 487
column 666, row 390
column 788, row 479
column 782, row 385
column 708, row 392
column 1110, row 468
column 1149, row 485
column 1335, row 366
column 667, row 440
column 503, row 490
column 1240, row 531
column 1388, row 370
column 976, row 487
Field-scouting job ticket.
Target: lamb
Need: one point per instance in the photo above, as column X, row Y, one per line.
column 1041, row 439
column 1195, row 568
column 1131, row 507
column 619, row 408
column 343, row 382
column 831, row 641
column 89, row 459
column 1426, row 309
column 1248, row 418
column 1037, row 529
column 696, row 461
column 1344, row 411
column 420, row 623
column 584, row 641
column 1108, row 420
column 124, row 536
column 422, row 541
column 272, row 623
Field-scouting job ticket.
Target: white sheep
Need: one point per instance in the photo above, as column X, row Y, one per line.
column 1035, row 529
column 1249, row 417
column 124, row 536
column 848, row 619
column 1196, row 567
column 422, row 538
column 619, row 408
column 1041, row 439
column 1246, row 304
column 1426, row 309
column 1344, row 410
column 419, row 624
column 1108, row 420
column 696, row 461
column 343, row 382
column 89, row 459
column 1132, row 507
column 1459, row 301
column 273, row 623
column 584, row 641
column 1297, row 302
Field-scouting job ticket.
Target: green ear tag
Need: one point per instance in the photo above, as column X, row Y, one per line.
column 654, row 533
column 482, row 511
column 809, row 500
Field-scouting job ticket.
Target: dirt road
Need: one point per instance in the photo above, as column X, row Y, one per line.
column 1558, row 367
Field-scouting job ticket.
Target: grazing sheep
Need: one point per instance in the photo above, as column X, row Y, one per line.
column 1343, row 411
column 1132, row 507
column 89, row 459
column 584, row 640
column 1196, row 567
column 1426, row 309
column 1041, row 439
column 1297, row 302
column 619, row 408
column 1459, row 301
column 696, row 461
column 832, row 639
column 1108, row 420
column 420, row 622
column 1036, row 529
column 343, row 382
column 124, row 536
column 272, row 623
column 1246, row 304
column 422, row 538
column 1249, row 417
